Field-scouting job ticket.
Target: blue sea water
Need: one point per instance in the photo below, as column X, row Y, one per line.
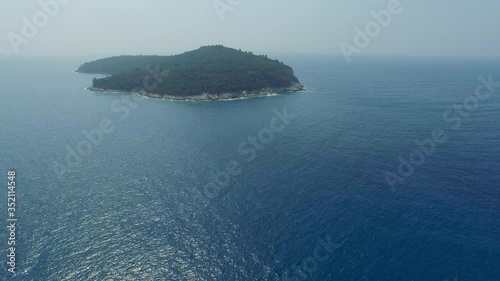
column 313, row 204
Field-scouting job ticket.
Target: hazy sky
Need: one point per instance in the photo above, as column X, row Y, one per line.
column 114, row 27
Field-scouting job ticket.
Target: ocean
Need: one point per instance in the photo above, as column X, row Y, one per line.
column 383, row 169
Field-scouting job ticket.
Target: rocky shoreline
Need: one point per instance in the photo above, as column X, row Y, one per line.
column 296, row 87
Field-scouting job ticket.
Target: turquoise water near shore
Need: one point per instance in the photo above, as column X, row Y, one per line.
column 312, row 204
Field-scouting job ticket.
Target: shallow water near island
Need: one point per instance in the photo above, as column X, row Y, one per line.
column 136, row 207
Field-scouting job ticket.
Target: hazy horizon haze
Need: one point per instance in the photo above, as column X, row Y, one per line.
column 93, row 28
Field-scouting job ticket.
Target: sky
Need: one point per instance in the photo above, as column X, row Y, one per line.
column 457, row 28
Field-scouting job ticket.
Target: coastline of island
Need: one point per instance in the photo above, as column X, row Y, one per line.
column 209, row 73
column 265, row 92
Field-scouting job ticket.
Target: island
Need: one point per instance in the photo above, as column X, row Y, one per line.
column 208, row 73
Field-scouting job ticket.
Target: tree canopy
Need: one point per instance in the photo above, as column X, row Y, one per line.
column 210, row 69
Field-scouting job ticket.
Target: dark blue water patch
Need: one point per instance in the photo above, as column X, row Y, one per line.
column 136, row 207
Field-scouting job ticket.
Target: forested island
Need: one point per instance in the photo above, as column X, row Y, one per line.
column 208, row 73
